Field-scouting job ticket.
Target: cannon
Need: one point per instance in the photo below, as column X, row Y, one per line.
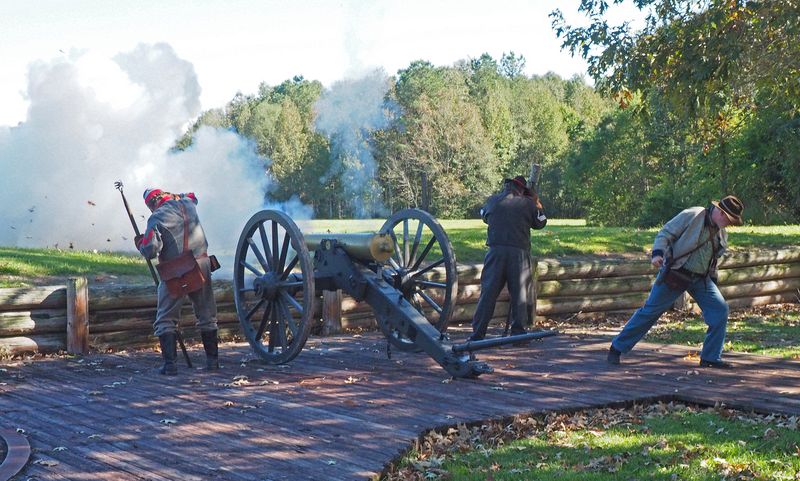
column 406, row 272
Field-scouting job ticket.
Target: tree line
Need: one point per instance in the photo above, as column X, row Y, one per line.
column 702, row 102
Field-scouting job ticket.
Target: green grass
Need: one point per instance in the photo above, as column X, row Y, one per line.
column 19, row 266
column 561, row 237
column 767, row 333
column 659, row 442
column 567, row 237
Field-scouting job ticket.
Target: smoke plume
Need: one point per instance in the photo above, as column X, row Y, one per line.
column 347, row 113
column 93, row 121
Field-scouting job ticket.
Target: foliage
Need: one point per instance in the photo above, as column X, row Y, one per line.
column 700, row 103
column 713, row 84
column 455, row 134
column 441, row 137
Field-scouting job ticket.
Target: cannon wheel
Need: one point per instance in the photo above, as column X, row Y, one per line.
column 274, row 286
column 421, row 245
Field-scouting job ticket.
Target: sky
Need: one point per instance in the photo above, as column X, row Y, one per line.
column 92, row 92
column 234, row 45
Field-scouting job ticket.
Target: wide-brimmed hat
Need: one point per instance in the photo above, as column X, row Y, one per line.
column 732, row 207
column 518, row 181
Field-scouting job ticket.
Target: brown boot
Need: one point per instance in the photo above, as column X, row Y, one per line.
column 169, row 351
column 211, row 346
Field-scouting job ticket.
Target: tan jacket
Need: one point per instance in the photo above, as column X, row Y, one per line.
column 682, row 234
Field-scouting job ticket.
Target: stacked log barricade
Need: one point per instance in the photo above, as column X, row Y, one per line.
column 759, row 278
column 595, row 287
column 76, row 317
column 122, row 316
column 43, row 319
column 33, row 319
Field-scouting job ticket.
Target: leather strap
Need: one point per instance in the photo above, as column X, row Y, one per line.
column 185, row 229
column 710, row 235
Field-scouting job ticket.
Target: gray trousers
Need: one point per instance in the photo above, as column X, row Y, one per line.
column 203, row 304
column 504, row 265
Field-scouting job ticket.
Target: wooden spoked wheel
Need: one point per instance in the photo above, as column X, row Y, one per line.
column 423, row 269
column 273, row 280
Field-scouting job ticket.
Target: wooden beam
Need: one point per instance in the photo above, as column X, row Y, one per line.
column 29, row 298
column 77, row 315
column 331, row 312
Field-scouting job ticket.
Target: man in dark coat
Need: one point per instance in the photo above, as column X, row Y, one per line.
column 164, row 237
column 510, row 214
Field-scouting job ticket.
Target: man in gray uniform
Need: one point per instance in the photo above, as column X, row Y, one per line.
column 510, row 214
column 164, row 238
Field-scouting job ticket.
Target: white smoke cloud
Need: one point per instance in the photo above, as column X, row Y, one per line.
column 94, row 121
column 347, row 113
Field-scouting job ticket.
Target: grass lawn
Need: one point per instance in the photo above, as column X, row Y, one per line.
column 561, row 237
column 24, row 267
column 658, row 442
column 567, row 237
column 768, row 332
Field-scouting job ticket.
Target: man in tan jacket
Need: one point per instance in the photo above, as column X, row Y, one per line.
column 686, row 250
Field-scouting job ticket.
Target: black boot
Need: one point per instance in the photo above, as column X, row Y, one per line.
column 169, row 351
column 211, row 346
column 613, row 356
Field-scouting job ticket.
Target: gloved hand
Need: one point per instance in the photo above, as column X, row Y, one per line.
column 138, row 240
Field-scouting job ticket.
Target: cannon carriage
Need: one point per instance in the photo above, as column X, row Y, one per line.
column 406, row 272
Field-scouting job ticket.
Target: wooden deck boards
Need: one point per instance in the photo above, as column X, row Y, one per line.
column 341, row 410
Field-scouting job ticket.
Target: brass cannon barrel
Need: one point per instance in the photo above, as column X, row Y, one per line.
column 366, row 246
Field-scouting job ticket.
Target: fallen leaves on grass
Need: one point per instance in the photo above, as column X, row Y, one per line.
column 435, row 446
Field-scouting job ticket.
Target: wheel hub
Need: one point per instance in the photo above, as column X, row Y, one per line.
column 266, row 286
column 402, row 281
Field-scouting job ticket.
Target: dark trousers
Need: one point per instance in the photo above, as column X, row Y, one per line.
column 503, row 266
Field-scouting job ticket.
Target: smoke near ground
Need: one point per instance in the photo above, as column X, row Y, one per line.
column 347, row 113
column 81, row 135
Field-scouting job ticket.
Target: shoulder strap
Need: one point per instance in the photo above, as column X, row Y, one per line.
column 710, row 235
column 185, row 228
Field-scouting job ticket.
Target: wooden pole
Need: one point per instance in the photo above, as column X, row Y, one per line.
column 77, row 315
column 331, row 312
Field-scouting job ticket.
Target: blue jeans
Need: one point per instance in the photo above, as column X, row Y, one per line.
column 661, row 298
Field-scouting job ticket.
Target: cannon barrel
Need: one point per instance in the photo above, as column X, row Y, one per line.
column 366, row 246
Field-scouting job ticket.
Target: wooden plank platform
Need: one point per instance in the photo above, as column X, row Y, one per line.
column 340, row 411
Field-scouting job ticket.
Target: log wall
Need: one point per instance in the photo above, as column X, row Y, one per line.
column 36, row 319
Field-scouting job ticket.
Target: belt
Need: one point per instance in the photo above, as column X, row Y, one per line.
column 693, row 275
